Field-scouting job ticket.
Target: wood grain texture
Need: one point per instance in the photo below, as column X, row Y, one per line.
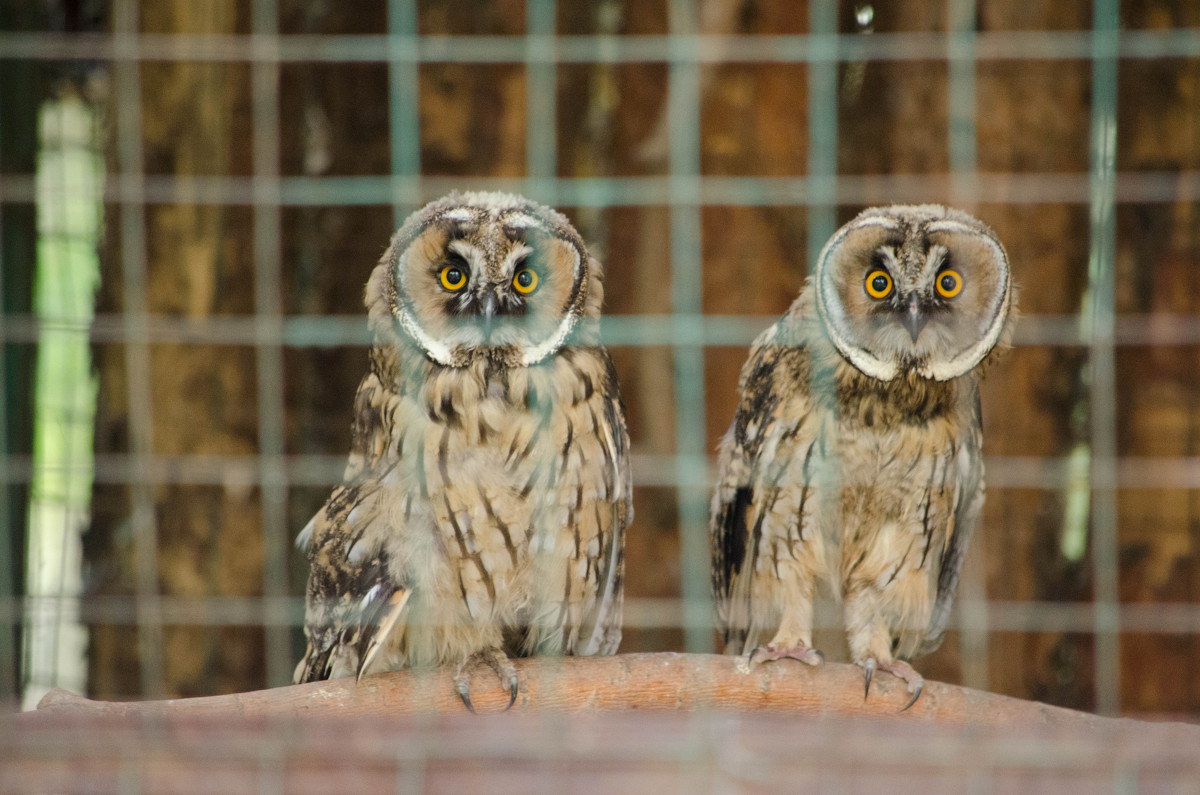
column 643, row 682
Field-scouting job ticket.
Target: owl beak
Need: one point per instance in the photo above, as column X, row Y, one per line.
column 487, row 313
column 914, row 318
column 487, row 305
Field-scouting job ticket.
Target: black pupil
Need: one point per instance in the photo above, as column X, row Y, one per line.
column 524, row 278
column 880, row 283
column 453, row 275
column 948, row 283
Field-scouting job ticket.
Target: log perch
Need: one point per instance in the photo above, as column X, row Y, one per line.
column 637, row 723
column 645, row 682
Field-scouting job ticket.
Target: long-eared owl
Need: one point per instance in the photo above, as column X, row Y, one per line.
column 854, row 458
column 485, row 500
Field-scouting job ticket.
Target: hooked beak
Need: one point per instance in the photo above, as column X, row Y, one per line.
column 914, row 318
column 488, row 305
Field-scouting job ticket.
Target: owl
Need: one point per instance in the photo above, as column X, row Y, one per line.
column 487, row 492
column 853, row 463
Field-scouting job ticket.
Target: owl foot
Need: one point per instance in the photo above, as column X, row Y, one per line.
column 799, row 652
column 898, row 669
column 498, row 662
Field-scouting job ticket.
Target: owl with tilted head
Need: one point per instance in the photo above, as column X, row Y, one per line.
column 854, row 460
column 485, row 500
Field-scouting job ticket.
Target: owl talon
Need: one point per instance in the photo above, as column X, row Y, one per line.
column 904, row 671
column 900, row 670
column 463, row 686
column 498, row 662
column 800, row 651
column 868, row 666
column 508, row 676
column 512, row 698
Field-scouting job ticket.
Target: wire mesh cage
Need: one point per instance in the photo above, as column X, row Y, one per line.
column 193, row 195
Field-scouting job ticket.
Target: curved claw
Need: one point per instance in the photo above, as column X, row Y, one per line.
column 754, row 651
column 464, row 692
column 897, row 668
column 512, row 698
column 915, row 696
column 869, row 668
column 494, row 659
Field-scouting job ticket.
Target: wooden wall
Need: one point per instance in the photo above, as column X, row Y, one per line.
column 1030, row 116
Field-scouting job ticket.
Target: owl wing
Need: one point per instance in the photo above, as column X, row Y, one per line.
column 966, row 516
column 595, row 480
column 353, row 601
column 767, row 444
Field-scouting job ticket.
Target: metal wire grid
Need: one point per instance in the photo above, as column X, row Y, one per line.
column 687, row 331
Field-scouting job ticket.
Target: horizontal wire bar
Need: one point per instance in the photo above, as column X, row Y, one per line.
column 1176, row 618
column 706, row 745
column 649, row 471
column 587, row 49
column 639, row 331
column 1132, row 187
column 230, row 471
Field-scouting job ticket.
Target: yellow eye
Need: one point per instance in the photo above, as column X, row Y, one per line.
column 453, row 278
column 526, row 281
column 879, row 284
column 949, row 284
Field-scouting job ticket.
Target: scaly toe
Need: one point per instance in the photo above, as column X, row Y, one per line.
column 509, row 681
column 897, row 668
column 499, row 663
column 904, row 671
column 800, row 651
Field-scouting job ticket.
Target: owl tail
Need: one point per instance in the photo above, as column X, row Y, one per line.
column 396, row 604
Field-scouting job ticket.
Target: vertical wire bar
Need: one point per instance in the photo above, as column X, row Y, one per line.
column 269, row 348
column 404, row 121
column 822, row 69
column 541, row 87
column 128, row 89
column 403, row 97
column 973, row 637
column 684, row 117
column 1102, row 359
column 961, row 101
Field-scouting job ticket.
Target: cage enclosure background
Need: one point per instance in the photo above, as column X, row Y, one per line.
column 257, row 154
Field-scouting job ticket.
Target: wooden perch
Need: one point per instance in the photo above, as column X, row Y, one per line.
column 655, row 723
column 664, row 681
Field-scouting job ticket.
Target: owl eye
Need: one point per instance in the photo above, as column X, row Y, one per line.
column 453, row 278
column 879, row 284
column 526, row 281
column 949, row 284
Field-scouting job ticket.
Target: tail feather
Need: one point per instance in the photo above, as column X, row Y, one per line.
column 396, row 604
